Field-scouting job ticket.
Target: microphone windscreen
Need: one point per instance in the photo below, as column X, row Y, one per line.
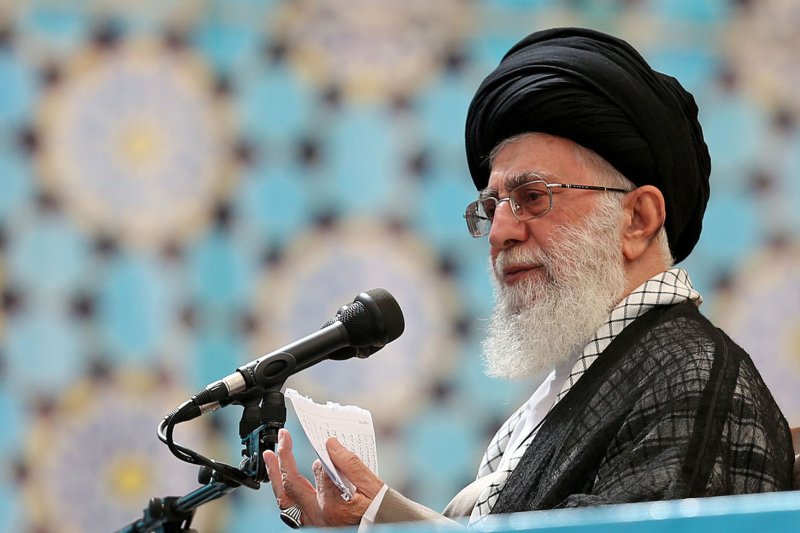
column 372, row 320
column 392, row 315
column 385, row 321
column 360, row 324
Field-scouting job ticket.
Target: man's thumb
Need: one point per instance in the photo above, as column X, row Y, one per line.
column 353, row 468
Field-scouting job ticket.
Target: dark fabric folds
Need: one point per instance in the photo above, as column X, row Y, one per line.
column 672, row 409
column 597, row 91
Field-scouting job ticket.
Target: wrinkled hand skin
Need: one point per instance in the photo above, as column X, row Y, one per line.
column 321, row 505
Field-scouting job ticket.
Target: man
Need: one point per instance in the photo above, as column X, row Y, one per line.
column 593, row 178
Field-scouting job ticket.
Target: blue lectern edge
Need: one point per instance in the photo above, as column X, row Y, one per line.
column 779, row 511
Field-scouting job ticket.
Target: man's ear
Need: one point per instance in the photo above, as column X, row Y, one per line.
column 645, row 214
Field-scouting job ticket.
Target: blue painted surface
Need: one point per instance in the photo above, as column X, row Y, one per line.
column 778, row 512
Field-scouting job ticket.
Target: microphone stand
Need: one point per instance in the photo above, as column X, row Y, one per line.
column 264, row 414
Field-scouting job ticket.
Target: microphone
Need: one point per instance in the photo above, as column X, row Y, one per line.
column 349, row 352
column 358, row 329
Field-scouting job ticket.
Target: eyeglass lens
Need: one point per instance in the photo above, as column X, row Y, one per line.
column 528, row 201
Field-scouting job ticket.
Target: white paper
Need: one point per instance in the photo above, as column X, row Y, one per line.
column 350, row 424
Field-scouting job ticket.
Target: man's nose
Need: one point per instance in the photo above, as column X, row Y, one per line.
column 506, row 230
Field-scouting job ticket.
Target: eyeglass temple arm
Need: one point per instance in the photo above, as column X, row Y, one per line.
column 585, row 187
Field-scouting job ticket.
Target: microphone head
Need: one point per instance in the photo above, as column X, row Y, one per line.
column 373, row 319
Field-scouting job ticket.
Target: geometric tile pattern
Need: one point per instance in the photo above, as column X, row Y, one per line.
column 187, row 186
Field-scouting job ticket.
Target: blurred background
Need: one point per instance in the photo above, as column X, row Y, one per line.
column 187, row 185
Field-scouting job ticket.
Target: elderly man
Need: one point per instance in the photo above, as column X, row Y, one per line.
column 593, row 178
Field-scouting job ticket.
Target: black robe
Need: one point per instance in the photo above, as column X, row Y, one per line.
column 673, row 408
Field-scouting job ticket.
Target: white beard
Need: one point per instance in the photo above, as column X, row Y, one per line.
column 537, row 325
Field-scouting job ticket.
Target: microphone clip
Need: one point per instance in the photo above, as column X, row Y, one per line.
column 263, row 416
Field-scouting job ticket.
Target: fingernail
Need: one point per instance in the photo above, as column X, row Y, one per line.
column 334, row 445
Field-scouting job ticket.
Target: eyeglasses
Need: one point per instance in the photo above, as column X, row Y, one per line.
column 528, row 201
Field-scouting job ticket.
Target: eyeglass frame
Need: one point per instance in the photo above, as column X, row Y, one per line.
column 471, row 209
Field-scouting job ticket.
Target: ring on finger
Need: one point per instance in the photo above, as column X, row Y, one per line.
column 292, row 517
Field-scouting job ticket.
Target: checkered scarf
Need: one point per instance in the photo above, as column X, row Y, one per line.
column 667, row 288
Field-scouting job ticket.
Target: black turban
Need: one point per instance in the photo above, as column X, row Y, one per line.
column 597, row 91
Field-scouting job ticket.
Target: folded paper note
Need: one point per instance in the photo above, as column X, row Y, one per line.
column 350, row 424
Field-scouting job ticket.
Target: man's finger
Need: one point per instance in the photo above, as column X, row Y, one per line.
column 286, row 459
column 325, row 485
column 293, row 481
column 353, row 469
column 294, row 485
column 276, row 481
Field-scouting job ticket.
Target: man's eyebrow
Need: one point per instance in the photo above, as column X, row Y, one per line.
column 512, row 181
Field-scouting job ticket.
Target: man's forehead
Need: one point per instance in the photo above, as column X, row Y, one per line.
column 553, row 158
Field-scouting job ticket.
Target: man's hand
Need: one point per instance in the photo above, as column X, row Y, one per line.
column 323, row 505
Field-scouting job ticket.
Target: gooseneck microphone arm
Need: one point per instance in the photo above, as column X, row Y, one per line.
column 264, row 414
column 359, row 329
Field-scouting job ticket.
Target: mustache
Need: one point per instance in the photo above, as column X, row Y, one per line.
column 520, row 256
